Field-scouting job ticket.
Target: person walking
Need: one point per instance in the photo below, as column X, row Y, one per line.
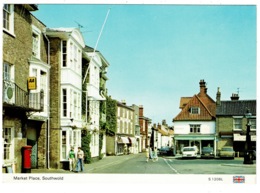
column 147, row 151
column 155, row 156
column 72, row 159
column 80, row 161
column 151, row 153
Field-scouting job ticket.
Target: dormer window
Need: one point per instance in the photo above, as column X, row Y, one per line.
column 195, row 110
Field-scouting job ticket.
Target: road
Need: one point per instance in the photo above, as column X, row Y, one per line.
column 168, row 165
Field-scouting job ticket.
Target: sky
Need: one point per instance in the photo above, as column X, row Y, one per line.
column 159, row 53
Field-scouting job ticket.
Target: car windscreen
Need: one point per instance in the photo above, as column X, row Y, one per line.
column 227, row 149
column 207, row 148
column 188, row 149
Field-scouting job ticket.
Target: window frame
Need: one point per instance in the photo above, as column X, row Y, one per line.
column 195, row 128
column 72, row 139
column 195, row 110
column 36, row 45
column 235, row 124
column 253, row 125
column 10, row 18
column 10, row 143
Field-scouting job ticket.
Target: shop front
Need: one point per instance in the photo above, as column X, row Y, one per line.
column 199, row 141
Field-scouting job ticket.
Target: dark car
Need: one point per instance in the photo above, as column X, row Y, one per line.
column 165, row 150
column 207, row 152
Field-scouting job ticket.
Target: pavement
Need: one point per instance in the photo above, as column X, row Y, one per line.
column 111, row 160
column 105, row 162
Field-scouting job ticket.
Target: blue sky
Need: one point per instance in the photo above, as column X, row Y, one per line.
column 159, row 53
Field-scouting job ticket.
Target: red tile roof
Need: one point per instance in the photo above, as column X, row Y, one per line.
column 206, row 105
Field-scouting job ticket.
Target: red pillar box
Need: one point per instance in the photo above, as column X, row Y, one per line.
column 26, row 153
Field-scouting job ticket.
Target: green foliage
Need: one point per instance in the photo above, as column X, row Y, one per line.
column 100, row 144
column 111, row 116
column 86, row 139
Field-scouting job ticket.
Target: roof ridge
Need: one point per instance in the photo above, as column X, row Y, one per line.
column 204, row 106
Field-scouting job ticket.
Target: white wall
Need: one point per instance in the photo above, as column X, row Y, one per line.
column 183, row 127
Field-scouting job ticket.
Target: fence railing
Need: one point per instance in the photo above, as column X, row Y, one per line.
column 15, row 96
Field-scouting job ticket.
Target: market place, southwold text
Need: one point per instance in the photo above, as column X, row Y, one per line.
column 37, row 178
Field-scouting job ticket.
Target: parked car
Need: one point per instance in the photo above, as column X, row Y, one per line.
column 189, row 152
column 207, row 152
column 165, row 150
column 227, row 152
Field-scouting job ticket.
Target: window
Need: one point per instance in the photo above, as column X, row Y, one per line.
column 8, row 86
column 64, row 102
column 75, row 105
column 7, row 72
column 64, row 53
column 35, row 45
column 253, row 123
column 36, row 42
column 194, row 110
column 63, row 144
column 8, row 18
column 7, row 136
column 195, row 128
column 237, row 123
column 69, row 138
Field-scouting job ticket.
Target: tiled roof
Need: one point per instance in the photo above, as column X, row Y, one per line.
column 238, row 107
column 207, row 109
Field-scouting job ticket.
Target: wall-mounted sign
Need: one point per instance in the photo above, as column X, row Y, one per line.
column 32, row 83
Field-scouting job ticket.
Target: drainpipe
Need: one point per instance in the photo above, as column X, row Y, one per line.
column 48, row 106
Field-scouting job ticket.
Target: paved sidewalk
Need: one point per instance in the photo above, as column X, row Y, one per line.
column 105, row 162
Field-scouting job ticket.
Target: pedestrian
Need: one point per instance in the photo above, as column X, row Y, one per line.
column 151, row 152
column 147, row 153
column 80, row 161
column 71, row 159
column 155, row 156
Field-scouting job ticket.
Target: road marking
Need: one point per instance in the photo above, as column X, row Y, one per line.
column 171, row 166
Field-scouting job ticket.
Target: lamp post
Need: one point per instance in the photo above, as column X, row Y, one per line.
column 248, row 153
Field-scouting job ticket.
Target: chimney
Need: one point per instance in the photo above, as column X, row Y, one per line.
column 141, row 111
column 163, row 122
column 123, row 102
column 218, row 98
column 234, row 97
column 203, row 89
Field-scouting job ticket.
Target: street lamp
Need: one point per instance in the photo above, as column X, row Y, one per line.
column 248, row 151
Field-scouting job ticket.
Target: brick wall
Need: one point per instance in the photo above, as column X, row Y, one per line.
column 55, row 105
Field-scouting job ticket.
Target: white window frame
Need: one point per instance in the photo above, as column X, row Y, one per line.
column 195, row 128
column 9, row 142
column 72, row 139
column 235, row 124
column 9, row 74
column 64, row 50
column 36, row 42
column 195, row 110
column 10, row 17
column 253, row 125
column 64, row 112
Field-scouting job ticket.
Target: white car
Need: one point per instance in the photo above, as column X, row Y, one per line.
column 189, row 152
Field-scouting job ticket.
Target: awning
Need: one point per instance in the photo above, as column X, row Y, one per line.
column 122, row 140
column 132, row 140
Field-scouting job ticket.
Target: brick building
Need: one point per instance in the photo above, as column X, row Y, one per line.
column 231, row 122
column 145, row 128
column 25, row 86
